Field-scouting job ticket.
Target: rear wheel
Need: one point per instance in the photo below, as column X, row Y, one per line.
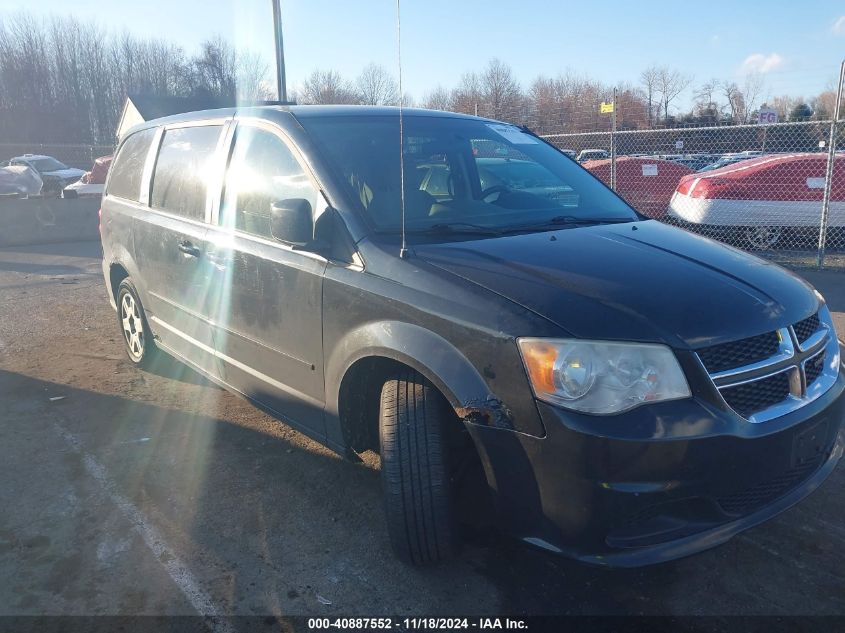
column 413, row 419
column 137, row 337
column 762, row 237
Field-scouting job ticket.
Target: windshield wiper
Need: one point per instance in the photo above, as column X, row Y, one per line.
column 457, row 227
column 564, row 220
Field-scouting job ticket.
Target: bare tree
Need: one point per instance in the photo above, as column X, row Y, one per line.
column 376, row 86
column 252, row 82
column 632, row 111
column 408, row 100
column 326, row 86
column 784, row 104
column 735, row 101
column 467, row 95
column 216, row 69
column 544, row 106
column 500, row 92
column 823, row 105
column 752, row 90
column 437, row 99
column 649, row 82
column 670, row 84
column 705, row 95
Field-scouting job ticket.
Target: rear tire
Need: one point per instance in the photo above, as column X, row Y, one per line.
column 415, row 469
column 761, row 238
column 137, row 338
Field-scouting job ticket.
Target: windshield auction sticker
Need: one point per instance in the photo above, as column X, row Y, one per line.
column 512, row 134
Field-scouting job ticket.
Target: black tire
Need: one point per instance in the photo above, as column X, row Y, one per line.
column 415, row 469
column 139, row 348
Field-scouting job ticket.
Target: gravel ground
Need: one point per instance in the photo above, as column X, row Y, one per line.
column 158, row 493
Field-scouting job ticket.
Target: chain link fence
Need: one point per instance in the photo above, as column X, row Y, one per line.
column 79, row 156
column 777, row 190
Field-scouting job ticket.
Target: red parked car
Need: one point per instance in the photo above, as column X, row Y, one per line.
column 647, row 184
column 91, row 183
column 760, row 199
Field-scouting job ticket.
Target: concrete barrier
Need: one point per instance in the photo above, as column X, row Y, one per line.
column 45, row 220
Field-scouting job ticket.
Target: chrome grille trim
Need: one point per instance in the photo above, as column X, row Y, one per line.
column 815, row 340
column 791, row 357
column 731, row 377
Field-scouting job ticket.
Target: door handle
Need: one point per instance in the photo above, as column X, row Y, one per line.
column 189, row 249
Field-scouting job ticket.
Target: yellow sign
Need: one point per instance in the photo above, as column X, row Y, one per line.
column 606, row 108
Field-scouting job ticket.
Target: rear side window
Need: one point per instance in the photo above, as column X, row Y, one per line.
column 128, row 168
column 180, row 181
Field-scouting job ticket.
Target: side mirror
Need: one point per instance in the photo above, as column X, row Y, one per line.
column 291, row 221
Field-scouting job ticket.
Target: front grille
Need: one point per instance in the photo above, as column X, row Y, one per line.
column 757, row 496
column 768, row 375
column 748, row 398
column 814, row 367
column 738, row 353
column 806, row 328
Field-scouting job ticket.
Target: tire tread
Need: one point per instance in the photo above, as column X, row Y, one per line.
column 415, row 473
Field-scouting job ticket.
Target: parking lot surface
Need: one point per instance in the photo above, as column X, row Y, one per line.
column 133, row 492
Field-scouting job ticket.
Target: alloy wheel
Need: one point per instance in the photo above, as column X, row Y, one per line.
column 133, row 326
column 763, row 237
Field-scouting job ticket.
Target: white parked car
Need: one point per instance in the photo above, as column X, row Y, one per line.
column 592, row 154
column 55, row 174
column 761, row 198
column 19, row 181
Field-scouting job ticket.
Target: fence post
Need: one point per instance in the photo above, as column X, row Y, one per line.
column 828, row 176
column 613, row 145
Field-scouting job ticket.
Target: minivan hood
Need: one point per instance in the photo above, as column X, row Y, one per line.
column 642, row 281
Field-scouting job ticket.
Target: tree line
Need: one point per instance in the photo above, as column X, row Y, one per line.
column 65, row 81
column 570, row 101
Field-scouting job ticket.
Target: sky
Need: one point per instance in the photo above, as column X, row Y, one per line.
column 798, row 46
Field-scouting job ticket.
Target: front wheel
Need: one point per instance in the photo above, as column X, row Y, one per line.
column 413, row 419
column 137, row 337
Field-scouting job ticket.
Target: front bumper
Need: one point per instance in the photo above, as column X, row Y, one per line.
column 627, row 503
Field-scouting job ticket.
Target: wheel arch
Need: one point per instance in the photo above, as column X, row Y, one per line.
column 117, row 273
column 120, row 266
column 364, row 356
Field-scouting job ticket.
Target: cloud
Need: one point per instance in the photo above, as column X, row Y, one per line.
column 838, row 27
column 760, row 63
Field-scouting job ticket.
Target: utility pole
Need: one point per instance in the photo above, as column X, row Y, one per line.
column 281, row 82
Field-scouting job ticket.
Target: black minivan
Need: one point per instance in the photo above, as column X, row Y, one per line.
column 462, row 298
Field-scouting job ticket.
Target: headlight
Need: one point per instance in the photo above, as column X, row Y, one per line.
column 601, row 377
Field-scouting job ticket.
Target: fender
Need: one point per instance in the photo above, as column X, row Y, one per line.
column 118, row 240
column 428, row 353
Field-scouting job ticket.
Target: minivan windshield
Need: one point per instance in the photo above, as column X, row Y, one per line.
column 459, row 172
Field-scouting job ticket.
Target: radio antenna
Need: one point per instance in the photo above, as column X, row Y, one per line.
column 403, row 250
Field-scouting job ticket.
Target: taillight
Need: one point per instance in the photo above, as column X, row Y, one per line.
column 703, row 187
column 712, row 188
column 686, row 185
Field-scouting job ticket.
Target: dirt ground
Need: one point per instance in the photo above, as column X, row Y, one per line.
column 132, row 492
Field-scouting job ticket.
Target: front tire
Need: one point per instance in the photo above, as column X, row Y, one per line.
column 137, row 338
column 413, row 419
